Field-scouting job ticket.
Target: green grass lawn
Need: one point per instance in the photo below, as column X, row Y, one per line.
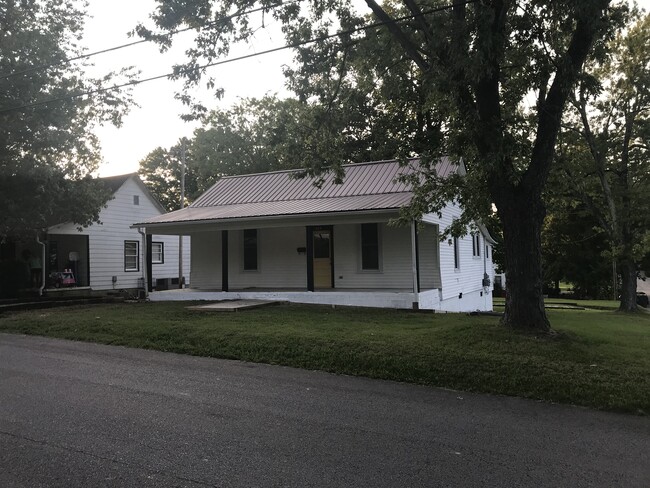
column 595, row 304
column 601, row 359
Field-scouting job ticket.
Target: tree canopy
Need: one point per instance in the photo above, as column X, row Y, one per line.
column 605, row 147
column 47, row 147
column 486, row 81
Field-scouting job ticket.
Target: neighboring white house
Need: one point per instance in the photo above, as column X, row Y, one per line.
column 112, row 255
column 272, row 236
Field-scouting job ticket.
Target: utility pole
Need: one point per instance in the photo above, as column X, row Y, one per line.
column 180, row 238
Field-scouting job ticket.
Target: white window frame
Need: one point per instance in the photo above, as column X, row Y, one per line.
column 136, row 255
column 162, row 252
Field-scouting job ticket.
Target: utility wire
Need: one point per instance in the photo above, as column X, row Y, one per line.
column 141, row 41
column 232, row 60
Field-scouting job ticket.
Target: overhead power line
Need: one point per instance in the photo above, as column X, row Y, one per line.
column 141, row 41
column 231, row 60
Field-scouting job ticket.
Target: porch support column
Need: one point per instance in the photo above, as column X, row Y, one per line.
column 415, row 265
column 310, row 257
column 224, row 260
column 149, row 265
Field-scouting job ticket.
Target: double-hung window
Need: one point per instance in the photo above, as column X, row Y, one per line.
column 476, row 245
column 370, row 247
column 131, row 256
column 157, row 252
column 456, row 253
column 250, row 250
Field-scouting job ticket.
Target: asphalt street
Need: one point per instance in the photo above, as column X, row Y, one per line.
column 86, row 415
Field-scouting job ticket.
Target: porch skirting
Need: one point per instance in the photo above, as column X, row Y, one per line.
column 400, row 299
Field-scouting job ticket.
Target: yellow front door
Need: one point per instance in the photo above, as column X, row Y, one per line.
column 322, row 258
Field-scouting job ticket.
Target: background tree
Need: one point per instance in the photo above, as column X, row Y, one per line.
column 605, row 150
column 266, row 134
column 576, row 251
column 476, row 63
column 48, row 149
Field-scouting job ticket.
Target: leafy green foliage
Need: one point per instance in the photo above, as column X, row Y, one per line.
column 47, row 148
column 485, row 81
column 258, row 135
column 606, row 146
column 576, row 250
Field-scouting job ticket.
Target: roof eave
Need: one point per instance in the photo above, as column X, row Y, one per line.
column 258, row 218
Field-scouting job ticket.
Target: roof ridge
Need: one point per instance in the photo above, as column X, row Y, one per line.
column 299, row 199
column 296, row 170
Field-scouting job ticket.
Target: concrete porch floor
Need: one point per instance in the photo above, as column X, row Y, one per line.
column 383, row 298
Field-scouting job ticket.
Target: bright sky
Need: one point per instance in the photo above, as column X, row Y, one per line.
column 156, row 121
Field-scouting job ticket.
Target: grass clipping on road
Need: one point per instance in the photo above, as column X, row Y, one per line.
column 601, row 360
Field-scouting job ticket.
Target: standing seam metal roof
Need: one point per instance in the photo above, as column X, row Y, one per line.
column 366, row 186
column 374, row 178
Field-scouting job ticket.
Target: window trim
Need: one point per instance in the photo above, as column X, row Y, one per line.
column 137, row 256
column 380, row 261
column 136, row 200
column 162, row 252
column 257, row 251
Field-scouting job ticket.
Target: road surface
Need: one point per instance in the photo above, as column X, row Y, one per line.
column 82, row 415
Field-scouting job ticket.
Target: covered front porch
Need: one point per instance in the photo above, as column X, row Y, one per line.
column 352, row 260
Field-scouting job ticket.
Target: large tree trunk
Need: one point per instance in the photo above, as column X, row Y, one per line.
column 522, row 217
column 627, row 268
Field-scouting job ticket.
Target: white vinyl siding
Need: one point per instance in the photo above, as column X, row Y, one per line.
column 206, row 261
column 279, row 263
column 396, row 270
column 429, row 253
column 467, row 279
column 106, row 241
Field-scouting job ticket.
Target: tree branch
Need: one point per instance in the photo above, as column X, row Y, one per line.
column 407, row 44
column 550, row 113
column 415, row 9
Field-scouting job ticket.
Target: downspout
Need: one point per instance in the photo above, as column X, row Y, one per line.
column 486, row 279
column 144, row 264
column 40, row 290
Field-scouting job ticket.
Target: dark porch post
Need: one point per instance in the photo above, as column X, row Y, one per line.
column 417, row 257
column 310, row 258
column 415, row 265
column 149, row 265
column 224, row 260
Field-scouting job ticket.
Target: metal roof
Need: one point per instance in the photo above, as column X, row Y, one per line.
column 366, row 186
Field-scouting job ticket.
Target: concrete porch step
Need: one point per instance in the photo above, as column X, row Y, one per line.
column 232, row 305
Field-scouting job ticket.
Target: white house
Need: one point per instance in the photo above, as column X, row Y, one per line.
column 111, row 255
column 272, row 236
